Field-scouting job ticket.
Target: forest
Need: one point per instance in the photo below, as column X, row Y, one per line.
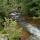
column 10, row 28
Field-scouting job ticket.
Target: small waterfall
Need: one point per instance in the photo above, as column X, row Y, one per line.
column 33, row 30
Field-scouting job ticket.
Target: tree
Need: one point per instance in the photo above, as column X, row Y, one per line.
column 31, row 7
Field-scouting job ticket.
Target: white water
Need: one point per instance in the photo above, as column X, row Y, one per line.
column 32, row 29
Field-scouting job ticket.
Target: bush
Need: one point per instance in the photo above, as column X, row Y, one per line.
column 11, row 29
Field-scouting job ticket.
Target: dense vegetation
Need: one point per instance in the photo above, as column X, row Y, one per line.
column 29, row 8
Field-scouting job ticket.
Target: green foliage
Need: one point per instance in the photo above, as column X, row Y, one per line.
column 31, row 7
column 4, row 32
column 5, row 8
column 11, row 29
